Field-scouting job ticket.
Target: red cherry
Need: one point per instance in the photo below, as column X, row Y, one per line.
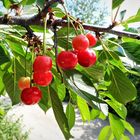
column 42, row 64
column 86, row 58
column 24, row 82
column 92, row 39
column 80, row 42
column 67, row 60
column 30, row 96
column 43, row 79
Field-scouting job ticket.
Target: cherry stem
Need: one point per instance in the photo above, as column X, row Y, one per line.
column 14, row 69
column 116, row 14
column 67, row 26
column 80, row 25
column 31, row 70
column 26, row 61
column 44, row 35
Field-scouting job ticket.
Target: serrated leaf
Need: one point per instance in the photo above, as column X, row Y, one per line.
column 61, row 89
column 27, row 2
column 45, row 102
column 11, row 88
column 116, row 3
column 59, row 114
column 2, row 111
column 96, row 72
column 94, row 114
column 121, row 88
column 120, row 109
column 128, row 127
column 125, row 137
column 132, row 49
column 73, row 79
column 82, row 86
column 70, row 114
column 62, row 37
column 117, row 126
column 58, row 12
column 4, row 57
column 84, row 109
column 6, row 3
column 2, row 87
column 106, row 134
column 41, row 3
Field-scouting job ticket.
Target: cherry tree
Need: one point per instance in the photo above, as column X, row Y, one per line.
column 47, row 55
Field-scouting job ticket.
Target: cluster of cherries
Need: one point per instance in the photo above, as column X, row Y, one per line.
column 66, row 60
column 81, row 54
column 42, row 76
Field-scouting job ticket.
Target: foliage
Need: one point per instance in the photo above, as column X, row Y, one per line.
column 92, row 90
column 10, row 128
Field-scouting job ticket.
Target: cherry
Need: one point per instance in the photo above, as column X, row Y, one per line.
column 24, row 82
column 30, row 96
column 42, row 64
column 86, row 58
column 67, row 60
column 43, row 78
column 80, row 42
column 92, row 39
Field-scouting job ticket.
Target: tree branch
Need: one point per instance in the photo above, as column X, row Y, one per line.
column 37, row 20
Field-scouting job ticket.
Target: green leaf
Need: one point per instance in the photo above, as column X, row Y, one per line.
column 4, row 56
column 27, row 2
column 2, row 112
column 82, row 86
column 94, row 113
column 132, row 19
column 45, row 102
column 59, row 87
column 62, row 37
column 59, row 114
column 84, row 109
column 70, row 114
column 14, row 38
column 117, row 126
column 96, row 72
column 122, row 14
column 6, row 3
column 61, row 90
column 121, row 88
column 2, row 87
column 128, row 126
column 58, row 12
column 119, row 108
column 41, row 3
column 125, row 137
column 133, row 50
column 11, row 88
column 116, row 3
column 106, row 134
column 37, row 28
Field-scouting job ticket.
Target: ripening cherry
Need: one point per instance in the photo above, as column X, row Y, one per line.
column 31, row 96
column 80, row 42
column 42, row 64
column 92, row 39
column 43, row 78
column 67, row 60
column 86, row 58
column 24, row 82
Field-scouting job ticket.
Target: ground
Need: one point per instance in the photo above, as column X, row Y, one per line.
column 44, row 127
